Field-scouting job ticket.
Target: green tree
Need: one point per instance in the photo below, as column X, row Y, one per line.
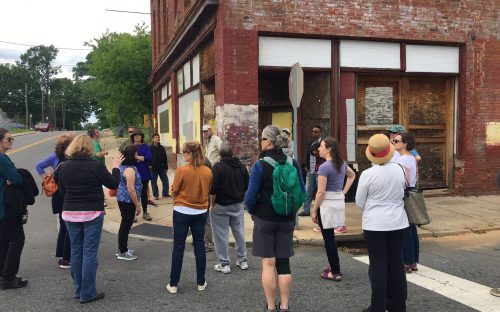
column 38, row 62
column 71, row 105
column 118, row 67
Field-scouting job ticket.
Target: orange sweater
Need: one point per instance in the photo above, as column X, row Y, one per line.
column 191, row 186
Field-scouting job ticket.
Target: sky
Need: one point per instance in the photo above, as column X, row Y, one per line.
column 65, row 24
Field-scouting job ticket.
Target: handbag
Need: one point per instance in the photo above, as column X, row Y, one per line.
column 415, row 206
column 49, row 185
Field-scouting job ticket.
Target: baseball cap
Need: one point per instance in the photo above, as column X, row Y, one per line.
column 398, row 129
column 206, row 127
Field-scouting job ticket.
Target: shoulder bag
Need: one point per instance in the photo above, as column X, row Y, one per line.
column 415, row 206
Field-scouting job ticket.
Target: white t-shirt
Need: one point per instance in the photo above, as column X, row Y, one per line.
column 395, row 157
column 409, row 162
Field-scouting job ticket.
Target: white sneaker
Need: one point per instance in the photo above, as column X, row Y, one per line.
column 172, row 289
column 222, row 268
column 243, row 265
column 126, row 256
column 130, row 251
column 201, row 287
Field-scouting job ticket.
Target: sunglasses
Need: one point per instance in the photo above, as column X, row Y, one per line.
column 397, row 141
column 264, row 139
column 10, row 139
column 315, row 131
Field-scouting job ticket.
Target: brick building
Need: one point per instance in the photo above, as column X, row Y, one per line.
column 433, row 66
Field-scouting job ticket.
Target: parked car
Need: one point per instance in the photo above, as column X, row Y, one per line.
column 44, row 126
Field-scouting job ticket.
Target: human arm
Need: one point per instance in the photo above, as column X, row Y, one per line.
column 148, row 157
column 299, row 172
column 362, row 191
column 102, row 153
column 253, row 186
column 320, row 195
column 350, row 179
column 112, row 180
column 9, row 171
column 51, row 161
column 176, row 185
column 129, row 174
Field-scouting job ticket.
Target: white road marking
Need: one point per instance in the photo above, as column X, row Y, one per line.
column 471, row 294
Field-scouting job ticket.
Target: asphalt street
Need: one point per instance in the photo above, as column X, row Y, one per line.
column 140, row 285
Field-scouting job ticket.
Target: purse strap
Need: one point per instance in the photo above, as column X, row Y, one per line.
column 406, row 178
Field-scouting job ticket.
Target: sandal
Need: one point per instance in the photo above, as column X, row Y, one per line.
column 327, row 269
column 414, row 267
column 408, row 269
column 335, row 277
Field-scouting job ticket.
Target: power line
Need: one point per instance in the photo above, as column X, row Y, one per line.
column 33, row 45
column 132, row 12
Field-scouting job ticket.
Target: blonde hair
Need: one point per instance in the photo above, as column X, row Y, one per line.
column 196, row 150
column 81, row 146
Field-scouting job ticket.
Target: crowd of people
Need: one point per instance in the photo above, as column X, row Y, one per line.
column 210, row 192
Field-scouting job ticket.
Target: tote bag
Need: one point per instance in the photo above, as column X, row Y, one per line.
column 415, row 206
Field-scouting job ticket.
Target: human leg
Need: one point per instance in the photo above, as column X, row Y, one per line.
column 197, row 230
column 409, row 248
column 154, row 183
column 91, row 239
column 284, row 281
column 75, row 231
column 209, row 240
column 310, row 186
column 144, row 196
column 331, row 248
column 181, row 226
column 377, row 270
column 269, row 281
column 220, row 231
column 396, row 277
column 164, row 183
column 237, row 224
column 11, row 248
column 127, row 211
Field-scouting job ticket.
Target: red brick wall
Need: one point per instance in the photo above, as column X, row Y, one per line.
column 472, row 23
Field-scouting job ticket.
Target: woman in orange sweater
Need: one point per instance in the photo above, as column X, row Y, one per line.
column 190, row 191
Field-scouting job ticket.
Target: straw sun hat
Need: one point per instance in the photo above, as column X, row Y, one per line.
column 379, row 150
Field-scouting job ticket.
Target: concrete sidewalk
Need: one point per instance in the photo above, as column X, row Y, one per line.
column 451, row 215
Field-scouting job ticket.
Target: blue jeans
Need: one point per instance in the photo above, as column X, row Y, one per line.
column 411, row 248
column 164, row 181
column 182, row 223
column 311, row 189
column 85, row 238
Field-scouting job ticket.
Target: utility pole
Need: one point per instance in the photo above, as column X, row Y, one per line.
column 26, row 102
column 63, row 115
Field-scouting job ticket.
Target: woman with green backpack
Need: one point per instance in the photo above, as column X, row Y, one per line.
column 273, row 202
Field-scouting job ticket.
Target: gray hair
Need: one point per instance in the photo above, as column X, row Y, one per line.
column 226, row 150
column 275, row 135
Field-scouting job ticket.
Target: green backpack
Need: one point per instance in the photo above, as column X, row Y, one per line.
column 287, row 196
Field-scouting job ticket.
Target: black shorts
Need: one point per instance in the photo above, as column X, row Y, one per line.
column 272, row 238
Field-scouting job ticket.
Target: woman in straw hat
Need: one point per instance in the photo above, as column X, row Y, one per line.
column 380, row 197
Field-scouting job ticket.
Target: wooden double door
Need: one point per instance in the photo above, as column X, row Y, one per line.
column 424, row 105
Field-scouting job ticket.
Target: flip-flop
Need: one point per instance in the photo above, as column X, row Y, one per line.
column 335, row 277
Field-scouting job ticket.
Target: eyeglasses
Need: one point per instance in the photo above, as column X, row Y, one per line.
column 397, row 141
column 10, row 139
column 264, row 139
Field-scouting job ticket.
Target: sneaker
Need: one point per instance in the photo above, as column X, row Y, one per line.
column 222, row 268
column 146, row 216
column 135, row 219
column 64, row 264
column 172, row 289
column 129, row 251
column 202, row 287
column 340, row 229
column 126, row 256
column 304, row 214
column 209, row 248
column 317, row 229
column 243, row 265
column 152, row 203
column 156, row 197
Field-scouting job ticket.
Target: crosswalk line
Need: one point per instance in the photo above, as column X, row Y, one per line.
column 471, row 294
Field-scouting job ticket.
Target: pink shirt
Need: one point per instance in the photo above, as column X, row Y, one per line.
column 81, row 216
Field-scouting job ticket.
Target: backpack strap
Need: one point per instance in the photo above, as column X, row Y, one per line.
column 270, row 161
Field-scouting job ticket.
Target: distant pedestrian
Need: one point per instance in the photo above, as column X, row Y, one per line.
column 212, row 144
column 128, row 196
column 63, row 245
column 230, row 182
column 143, row 160
column 11, row 222
column 313, row 161
column 329, row 205
column 130, row 130
column 190, row 191
column 399, row 129
column 288, row 149
column 272, row 233
column 403, row 143
column 159, row 167
column 80, row 180
column 380, row 195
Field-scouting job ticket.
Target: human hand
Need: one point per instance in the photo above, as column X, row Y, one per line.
column 139, row 158
column 104, row 152
column 138, row 209
column 117, row 161
column 314, row 217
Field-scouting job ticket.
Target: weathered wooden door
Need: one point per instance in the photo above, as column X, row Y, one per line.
column 424, row 105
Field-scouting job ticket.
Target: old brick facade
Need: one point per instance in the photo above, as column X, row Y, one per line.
column 226, row 35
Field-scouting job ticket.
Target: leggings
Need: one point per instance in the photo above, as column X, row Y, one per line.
column 144, row 196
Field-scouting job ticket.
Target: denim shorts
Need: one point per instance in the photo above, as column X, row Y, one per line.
column 272, row 238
